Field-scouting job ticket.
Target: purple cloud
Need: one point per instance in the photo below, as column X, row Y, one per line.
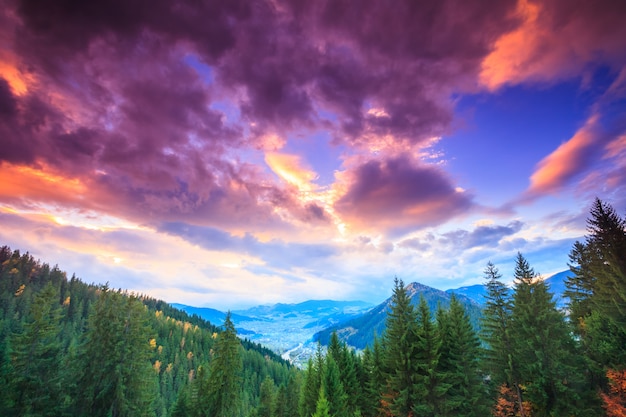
column 398, row 195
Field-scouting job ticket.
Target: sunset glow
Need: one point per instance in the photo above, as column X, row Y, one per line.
column 231, row 154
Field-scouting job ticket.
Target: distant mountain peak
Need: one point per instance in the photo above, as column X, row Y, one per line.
column 415, row 288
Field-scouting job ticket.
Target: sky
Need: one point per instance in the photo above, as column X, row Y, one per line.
column 235, row 153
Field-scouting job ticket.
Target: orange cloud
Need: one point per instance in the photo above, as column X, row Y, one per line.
column 555, row 170
column 555, row 40
column 10, row 72
column 510, row 57
column 292, row 170
column 26, row 183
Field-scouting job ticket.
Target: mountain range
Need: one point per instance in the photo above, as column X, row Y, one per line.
column 360, row 331
column 293, row 330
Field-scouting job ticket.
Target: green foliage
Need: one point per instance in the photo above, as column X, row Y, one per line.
column 400, row 341
column 117, row 374
column 268, row 397
column 347, row 365
column 430, row 386
column 68, row 348
column 334, row 390
column 35, row 380
column 459, row 364
column 542, row 347
column 311, row 387
column 495, row 328
column 375, row 382
column 322, row 407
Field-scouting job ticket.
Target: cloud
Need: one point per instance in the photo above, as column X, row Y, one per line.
column 568, row 161
column 593, row 155
column 117, row 97
column 395, row 195
column 481, row 236
column 272, row 253
column 557, row 40
column 292, row 170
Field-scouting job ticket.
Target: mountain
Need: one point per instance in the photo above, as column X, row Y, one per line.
column 475, row 293
column 215, row 317
column 315, row 309
column 360, row 331
column 556, row 282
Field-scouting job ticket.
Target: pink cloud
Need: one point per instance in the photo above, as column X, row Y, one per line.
column 567, row 162
column 557, row 40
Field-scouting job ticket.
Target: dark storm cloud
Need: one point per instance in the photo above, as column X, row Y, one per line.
column 69, row 26
column 8, row 104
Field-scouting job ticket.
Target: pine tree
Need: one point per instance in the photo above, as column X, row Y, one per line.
column 543, row 349
column 223, row 394
column 458, row 364
column 267, row 398
column 375, row 381
column 312, row 384
column 597, row 292
column 429, row 386
column 118, row 378
column 607, row 241
column 346, row 362
column 322, row 407
column 495, row 323
column 400, row 342
column 334, row 390
column 36, row 378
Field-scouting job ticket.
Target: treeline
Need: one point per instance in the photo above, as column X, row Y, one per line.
column 73, row 349
column 529, row 358
column 67, row 348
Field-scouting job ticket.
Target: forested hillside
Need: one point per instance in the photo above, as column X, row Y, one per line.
column 69, row 348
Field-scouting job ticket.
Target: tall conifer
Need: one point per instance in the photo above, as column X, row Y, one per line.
column 400, row 342
column 36, row 381
column 459, row 364
column 542, row 346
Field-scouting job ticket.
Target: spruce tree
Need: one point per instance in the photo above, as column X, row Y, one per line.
column 118, row 378
column 400, row 342
column 334, row 390
column 598, row 266
column 267, row 398
column 346, row 362
column 312, row 384
column 310, row 390
column 543, row 349
column 375, row 381
column 223, row 395
column 36, row 378
column 322, row 407
column 459, row 364
column 429, row 385
column 495, row 328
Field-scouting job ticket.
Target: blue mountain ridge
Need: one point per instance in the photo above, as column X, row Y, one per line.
column 556, row 284
column 360, row 331
column 279, row 326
